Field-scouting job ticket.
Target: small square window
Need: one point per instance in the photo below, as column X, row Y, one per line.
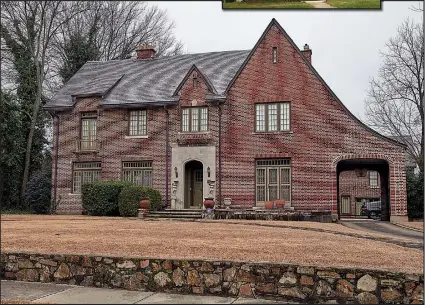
column 373, row 179
column 274, row 55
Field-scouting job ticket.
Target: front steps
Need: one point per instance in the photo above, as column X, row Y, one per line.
column 175, row 214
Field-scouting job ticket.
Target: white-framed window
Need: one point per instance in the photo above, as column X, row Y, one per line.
column 272, row 117
column 138, row 123
column 83, row 172
column 373, row 179
column 88, row 131
column 195, row 119
column 273, row 179
column 137, row 172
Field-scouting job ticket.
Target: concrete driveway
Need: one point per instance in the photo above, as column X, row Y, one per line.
column 382, row 227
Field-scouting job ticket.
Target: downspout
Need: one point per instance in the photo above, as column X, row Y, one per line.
column 167, row 117
column 53, row 207
column 219, row 154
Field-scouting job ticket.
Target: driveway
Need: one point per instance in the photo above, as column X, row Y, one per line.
column 383, row 227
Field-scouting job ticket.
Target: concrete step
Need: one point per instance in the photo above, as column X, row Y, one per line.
column 166, row 212
column 192, row 216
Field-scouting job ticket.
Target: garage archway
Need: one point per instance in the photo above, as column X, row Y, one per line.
column 360, row 166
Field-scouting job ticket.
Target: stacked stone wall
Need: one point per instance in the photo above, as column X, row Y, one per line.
column 225, row 278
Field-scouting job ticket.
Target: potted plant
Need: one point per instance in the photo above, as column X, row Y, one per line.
column 209, row 203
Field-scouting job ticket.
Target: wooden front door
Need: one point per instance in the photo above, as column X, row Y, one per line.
column 197, row 188
column 193, row 185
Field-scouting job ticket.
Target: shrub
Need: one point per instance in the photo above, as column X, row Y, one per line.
column 415, row 195
column 130, row 197
column 100, row 198
column 38, row 192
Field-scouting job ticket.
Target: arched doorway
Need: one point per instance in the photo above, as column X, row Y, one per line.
column 193, row 176
column 349, row 201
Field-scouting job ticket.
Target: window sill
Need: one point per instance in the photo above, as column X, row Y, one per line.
column 74, row 194
column 374, row 187
column 194, row 133
column 136, row 137
column 272, row 132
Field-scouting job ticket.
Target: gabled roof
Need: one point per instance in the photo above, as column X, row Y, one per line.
column 272, row 23
column 133, row 82
column 204, row 77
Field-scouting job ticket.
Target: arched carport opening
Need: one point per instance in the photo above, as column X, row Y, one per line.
column 360, row 166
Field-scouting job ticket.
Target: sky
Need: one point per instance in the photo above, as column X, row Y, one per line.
column 345, row 43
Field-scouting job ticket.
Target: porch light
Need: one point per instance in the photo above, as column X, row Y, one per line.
column 208, row 171
column 175, row 171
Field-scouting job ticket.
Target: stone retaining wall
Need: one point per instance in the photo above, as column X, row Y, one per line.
column 225, row 278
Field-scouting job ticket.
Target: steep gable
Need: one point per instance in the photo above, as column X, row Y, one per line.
column 288, row 55
column 200, row 75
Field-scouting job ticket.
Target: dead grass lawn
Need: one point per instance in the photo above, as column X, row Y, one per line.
column 198, row 240
column 418, row 225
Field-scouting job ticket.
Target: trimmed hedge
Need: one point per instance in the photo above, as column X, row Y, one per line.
column 100, row 198
column 130, row 196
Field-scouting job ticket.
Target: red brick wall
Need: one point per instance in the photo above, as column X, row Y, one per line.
column 322, row 133
column 357, row 187
column 116, row 146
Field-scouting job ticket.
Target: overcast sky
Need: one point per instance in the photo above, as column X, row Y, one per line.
column 345, row 44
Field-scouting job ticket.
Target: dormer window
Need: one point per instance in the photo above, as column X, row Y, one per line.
column 274, row 54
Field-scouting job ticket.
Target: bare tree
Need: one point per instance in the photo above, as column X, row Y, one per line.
column 33, row 24
column 395, row 102
column 108, row 30
column 417, row 8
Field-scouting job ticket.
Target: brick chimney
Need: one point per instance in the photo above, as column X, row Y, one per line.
column 307, row 52
column 145, row 51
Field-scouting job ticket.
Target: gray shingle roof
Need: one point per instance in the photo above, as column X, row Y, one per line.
column 132, row 81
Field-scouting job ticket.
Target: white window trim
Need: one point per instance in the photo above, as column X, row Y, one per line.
column 136, row 137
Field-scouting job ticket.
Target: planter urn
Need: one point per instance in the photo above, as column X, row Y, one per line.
column 280, row 204
column 144, row 203
column 268, row 204
column 209, row 203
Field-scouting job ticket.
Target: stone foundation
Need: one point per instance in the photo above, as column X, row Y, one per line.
column 224, row 278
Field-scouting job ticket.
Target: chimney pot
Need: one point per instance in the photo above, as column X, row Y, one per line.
column 307, row 52
column 145, row 51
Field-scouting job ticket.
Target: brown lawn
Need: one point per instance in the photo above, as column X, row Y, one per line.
column 418, row 225
column 195, row 240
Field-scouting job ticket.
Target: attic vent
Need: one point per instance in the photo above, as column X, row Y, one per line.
column 195, row 79
column 274, row 55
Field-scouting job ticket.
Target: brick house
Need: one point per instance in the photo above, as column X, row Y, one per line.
column 252, row 126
